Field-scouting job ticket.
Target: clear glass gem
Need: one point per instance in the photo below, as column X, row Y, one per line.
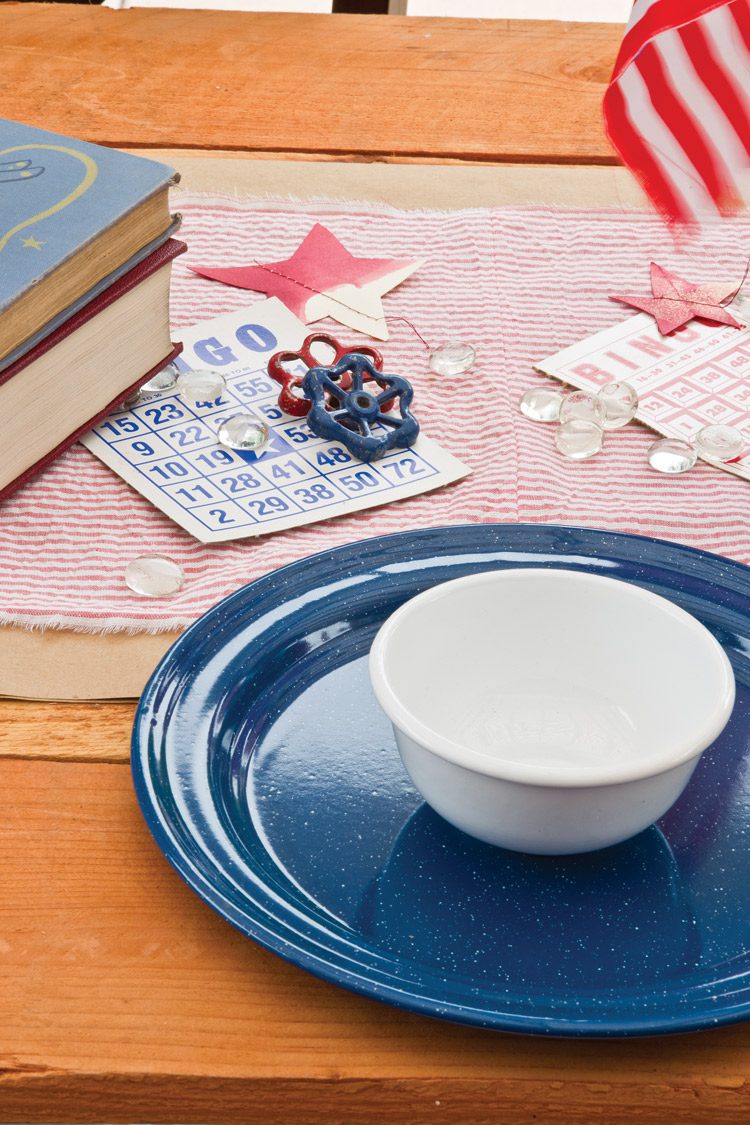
column 583, row 407
column 741, row 304
column 244, row 431
column 452, row 358
column 670, row 455
column 578, row 438
column 154, row 576
column 201, row 385
column 620, row 402
column 541, row 404
column 719, row 443
column 164, row 380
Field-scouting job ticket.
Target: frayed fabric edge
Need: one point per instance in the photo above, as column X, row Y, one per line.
column 324, row 203
column 368, row 206
column 125, row 625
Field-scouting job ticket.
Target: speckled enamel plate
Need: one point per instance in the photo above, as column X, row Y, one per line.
column 271, row 781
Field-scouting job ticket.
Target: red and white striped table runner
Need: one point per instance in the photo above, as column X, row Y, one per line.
column 518, row 283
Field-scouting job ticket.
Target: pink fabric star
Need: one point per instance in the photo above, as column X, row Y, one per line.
column 319, row 263
column 675, row 301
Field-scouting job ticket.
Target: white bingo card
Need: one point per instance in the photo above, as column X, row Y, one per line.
column 693, row 377
column 166, row 447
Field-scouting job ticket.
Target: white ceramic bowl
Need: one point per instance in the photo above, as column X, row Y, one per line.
column 547, row 710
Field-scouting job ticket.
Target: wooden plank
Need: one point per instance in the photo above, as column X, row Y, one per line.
column 124, row 998
column 66, row 732
column 373, row 86
column 49, row 1097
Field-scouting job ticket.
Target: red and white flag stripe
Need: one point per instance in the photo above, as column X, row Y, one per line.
column 677, row 108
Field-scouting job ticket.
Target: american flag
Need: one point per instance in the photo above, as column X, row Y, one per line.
column 678, row 105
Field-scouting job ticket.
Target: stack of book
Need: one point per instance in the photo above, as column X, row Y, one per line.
column 85, row 264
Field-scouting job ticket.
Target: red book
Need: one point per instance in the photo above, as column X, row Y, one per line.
column 76, row 375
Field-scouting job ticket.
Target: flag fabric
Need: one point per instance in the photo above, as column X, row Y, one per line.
column 677, row 108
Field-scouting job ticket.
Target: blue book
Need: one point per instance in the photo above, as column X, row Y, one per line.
column 73, row 218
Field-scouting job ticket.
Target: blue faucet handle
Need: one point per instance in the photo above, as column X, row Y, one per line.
column 362, row 421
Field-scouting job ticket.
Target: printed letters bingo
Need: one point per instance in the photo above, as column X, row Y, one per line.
column 167, row 448
column 696, row 376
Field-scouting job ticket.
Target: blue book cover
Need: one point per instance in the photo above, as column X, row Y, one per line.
column 56, row 195
column 94, row 291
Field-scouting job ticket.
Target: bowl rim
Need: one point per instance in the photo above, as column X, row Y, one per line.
column 534, row 773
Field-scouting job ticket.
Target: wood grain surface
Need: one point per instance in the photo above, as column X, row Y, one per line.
column 66, row 732
column 125, row 998
column 316, row 84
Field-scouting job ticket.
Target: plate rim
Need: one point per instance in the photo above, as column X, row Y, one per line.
column 355, row 981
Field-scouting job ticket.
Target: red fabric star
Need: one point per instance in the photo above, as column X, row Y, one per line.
column 675, row 301
column 318, row 264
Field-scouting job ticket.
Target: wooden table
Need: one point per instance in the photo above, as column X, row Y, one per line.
column 123, row 997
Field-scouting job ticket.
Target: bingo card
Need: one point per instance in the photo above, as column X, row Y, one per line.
column 166, row 447
column 695, row 376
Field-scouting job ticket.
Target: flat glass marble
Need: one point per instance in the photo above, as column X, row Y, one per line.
column 154, row 576
column 669, row 455
column 164, row 380
column 244, row 431
column 583, row 407
column 719, row 443
column 579, row 439
column 201, row 385
column 452, row 358
column 620, row 402
column 740, row 306
column 541, row 404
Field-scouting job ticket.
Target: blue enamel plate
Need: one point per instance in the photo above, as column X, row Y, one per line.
column 271, row 781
